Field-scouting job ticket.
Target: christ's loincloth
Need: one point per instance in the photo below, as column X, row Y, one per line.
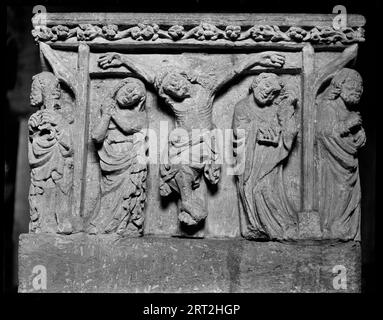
column 183, row 165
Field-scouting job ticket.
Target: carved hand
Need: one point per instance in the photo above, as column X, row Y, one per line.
column 354, row 120
column 271, row 59
column 34, row 120
column 48, row 116
column 270, row 135
column 110, row 60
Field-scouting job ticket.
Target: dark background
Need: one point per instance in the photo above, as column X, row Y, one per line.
column 22, row 62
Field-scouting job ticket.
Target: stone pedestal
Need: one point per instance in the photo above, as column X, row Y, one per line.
column 81, row 263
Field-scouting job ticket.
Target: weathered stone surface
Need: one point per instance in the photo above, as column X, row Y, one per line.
column 242, row 19
column 82, row 263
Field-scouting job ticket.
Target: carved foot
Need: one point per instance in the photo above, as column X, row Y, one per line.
column 185, row 218
column 95, row 228
column 192, row 213
column 130, row 231
column 337, row 232
column 165, row 190
column 92, row 230
column 309, row 226
column 65, row 227
column 255, row 235
column 290, row 233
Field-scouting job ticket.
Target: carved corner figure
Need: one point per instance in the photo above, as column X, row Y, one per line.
column 51, row 158
column 190, row 95
column 120, row 138
column 339, row 136
column 265, row 128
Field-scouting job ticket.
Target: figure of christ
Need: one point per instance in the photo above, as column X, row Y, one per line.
column 50, row 156
column 339, row 137
column 190, row 95
column 264, row 128
column 120, row 139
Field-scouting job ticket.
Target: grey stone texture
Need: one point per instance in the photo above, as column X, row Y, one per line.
column 82, row 263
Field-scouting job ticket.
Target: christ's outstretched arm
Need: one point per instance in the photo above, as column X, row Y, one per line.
column 115, row 60
column 264, row 59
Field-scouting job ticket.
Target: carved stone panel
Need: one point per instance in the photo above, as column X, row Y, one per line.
column 198, row 126
column 173, row 131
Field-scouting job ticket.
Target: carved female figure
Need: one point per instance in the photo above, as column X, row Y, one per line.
column 339, row 136
column 190, row 95
column 51, row 158
column 120, row 137
column 265, row 128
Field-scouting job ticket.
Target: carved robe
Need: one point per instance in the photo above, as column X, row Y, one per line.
column 50, row 157
column 338, row 171
column 123, row 182
column 264, row 208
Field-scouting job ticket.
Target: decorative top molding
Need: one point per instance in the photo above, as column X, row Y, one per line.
column 194, row 19
column 316, row 29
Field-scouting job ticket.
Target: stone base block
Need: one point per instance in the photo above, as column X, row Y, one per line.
column 82, row 263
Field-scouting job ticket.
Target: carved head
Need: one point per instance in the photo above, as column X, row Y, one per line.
column 174, row 84
column 265, row 88
column 45, row 90
column 348, row 85
column 131, row 93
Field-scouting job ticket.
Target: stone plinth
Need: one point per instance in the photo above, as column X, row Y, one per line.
column 81, row 263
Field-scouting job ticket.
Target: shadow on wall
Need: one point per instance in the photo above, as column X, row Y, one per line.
column 22, row 63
